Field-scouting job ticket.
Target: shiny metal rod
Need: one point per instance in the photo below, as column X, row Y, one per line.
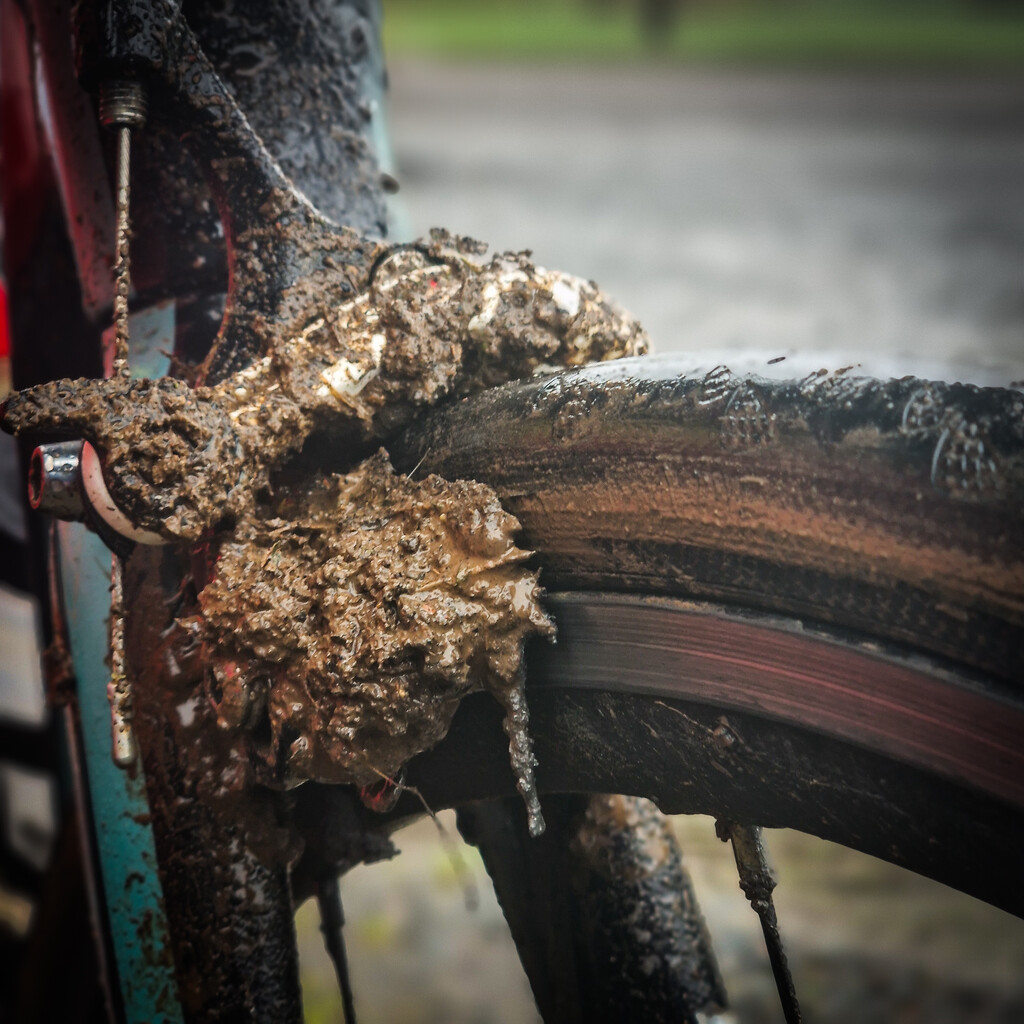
column 122, row 107
column 55, row 480
column 122, row 255
column 119, row 690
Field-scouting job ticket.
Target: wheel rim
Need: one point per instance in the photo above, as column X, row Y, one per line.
column 700, row 730
column 909, row 708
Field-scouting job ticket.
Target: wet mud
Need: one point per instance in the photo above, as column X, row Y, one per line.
column 309, row 80
column 346, row 616
column 372, row 604
column 434, row 323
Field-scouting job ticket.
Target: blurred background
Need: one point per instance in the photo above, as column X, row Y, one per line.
column 828, row 175
column 836, row 181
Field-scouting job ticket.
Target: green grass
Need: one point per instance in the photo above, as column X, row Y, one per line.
column 900, row 34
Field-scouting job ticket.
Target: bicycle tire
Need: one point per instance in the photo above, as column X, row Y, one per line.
column 922, row 622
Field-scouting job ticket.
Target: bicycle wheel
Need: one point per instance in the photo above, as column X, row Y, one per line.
column 785, row 603
column 774, row 773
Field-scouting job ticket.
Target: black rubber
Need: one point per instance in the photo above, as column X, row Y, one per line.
column 889, row 507
column 837, row 654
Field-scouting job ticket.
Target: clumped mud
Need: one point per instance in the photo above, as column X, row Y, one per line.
column 434, row 323
column 171, row 454
column 347, row 617
column 372, row 604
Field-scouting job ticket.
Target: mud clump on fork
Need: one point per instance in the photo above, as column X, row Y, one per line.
column 433, row 323
column 372, row 604
column 347, row 616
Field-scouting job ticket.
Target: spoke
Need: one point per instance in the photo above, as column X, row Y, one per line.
column 757, row 883
column 332, row 924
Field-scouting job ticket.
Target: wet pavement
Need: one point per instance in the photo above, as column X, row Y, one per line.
column 875, row 218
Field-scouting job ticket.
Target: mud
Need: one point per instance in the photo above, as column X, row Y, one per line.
column 281, row 248
column 437, row 322
column 310, row 82
column 327, row 332
column 336, row 659
column 307, row 78
column 434, row 323
column 608, row 815
column 372, row 604
column 170, row 452
column 348, row 616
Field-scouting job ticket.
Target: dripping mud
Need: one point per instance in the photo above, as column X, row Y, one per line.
column 433, row 324
column 372, row 604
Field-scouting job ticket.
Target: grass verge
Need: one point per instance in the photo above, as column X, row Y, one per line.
column 767, row 33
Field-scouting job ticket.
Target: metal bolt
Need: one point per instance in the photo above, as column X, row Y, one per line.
column 122, row 104
column 55, row 480
column 723, row 736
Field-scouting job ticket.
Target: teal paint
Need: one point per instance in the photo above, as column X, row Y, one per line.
column 120, row 809
column 124, row 837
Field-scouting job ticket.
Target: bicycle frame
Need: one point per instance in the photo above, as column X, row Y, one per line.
column 256, row 952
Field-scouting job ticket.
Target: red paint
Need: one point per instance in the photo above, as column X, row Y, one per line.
column 380, row 796
column 5, row 334
column 903, row 707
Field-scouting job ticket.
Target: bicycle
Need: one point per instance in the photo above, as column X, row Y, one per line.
column 581, row 459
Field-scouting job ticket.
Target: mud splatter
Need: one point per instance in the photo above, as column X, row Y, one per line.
column 347, row 617
column 171, row 454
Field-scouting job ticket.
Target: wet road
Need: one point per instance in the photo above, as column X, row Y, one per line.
column 780, row 212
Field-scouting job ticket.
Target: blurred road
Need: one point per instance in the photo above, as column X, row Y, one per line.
column 775, row 211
